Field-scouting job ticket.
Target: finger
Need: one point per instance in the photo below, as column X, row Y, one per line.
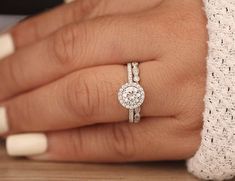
column 108, row 40
column 90, row 97
column 37, row 28
column 120, row 142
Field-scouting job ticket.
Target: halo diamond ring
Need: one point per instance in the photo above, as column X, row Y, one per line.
column 131, row 95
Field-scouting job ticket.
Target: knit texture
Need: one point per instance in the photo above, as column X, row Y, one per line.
column 215, row 159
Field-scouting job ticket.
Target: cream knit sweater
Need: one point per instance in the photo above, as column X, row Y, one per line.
column 215, row 159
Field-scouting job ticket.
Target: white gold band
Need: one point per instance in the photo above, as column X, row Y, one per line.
column 136, row 79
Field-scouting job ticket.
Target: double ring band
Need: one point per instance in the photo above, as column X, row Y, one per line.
column 131, row 95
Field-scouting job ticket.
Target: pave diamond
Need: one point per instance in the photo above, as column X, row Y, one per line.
column 131, row 95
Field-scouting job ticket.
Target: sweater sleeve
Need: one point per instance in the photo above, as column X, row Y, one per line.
column 215, row 158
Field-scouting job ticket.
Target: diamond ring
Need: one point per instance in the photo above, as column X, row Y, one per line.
column 131, row 95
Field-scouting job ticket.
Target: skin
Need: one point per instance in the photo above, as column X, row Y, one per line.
column 70, row 62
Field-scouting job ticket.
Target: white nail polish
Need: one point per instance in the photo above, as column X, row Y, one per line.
column 6, row 45
column 26, row 144
column 68, row 1
column 3, row 121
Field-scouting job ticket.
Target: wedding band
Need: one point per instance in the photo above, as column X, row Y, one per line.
column 131, row 95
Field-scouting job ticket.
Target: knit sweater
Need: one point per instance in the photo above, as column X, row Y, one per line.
column 215, row 158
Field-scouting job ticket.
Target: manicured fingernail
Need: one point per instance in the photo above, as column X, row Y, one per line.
column 6, row 45
column 26, row 144
column 68, row 1
column 3, row 121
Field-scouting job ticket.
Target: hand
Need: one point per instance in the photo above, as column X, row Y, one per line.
column 69, row 63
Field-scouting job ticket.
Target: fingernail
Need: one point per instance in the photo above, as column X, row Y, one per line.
column 3, row 121
column 68, row 1
column 6, row 45
column 26, row 144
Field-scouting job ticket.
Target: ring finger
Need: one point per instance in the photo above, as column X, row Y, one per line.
column 89, row 97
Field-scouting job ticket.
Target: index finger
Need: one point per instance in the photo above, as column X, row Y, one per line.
column 35, row 28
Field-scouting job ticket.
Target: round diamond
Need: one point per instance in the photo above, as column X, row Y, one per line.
column 131, row 95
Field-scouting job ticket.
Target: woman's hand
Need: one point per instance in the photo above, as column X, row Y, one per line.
column 69, row 63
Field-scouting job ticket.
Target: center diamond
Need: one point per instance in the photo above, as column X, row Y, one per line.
column 131, row 95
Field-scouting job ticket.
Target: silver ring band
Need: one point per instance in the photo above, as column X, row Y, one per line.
column 131, row 95
column 136, row 79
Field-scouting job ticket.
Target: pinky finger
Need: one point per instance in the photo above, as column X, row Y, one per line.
column 152, row 139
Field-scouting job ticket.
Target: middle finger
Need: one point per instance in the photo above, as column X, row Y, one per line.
column 77, row 46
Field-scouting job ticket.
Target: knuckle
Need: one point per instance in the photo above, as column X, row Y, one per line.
column 71, row 44
column 122, row 141
column 82, row 96
column 62, row 48
column 87, row 98
column 77, row 145
column 84, row 8
column 13, row 72
column 23, row 111
column 87, row 6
